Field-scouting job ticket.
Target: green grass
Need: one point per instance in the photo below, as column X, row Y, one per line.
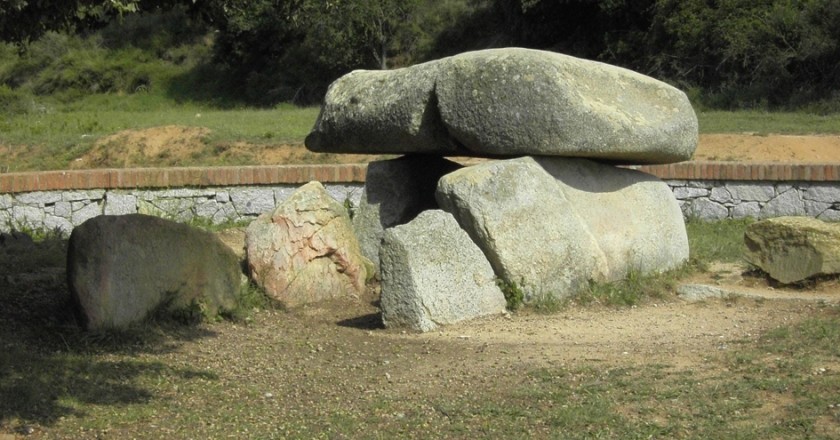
column 721, row 241
column 53, row 138
column 761, row 122
column 716, row 241
column 55, row 132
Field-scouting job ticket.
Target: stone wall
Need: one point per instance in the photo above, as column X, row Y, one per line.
column 62, row 199
column 717, row 200
column 62, row 210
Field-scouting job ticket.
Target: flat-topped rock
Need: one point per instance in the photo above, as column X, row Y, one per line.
column 508, row 102
column 793, row 249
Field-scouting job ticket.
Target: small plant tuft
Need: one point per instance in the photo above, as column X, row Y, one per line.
column 251, row 298
column 514, row 295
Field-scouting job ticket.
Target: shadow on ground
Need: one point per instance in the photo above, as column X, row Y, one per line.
column 48, row 366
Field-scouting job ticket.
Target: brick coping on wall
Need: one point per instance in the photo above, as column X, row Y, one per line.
column 132, row 178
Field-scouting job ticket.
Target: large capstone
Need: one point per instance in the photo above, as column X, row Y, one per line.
column 792, row 249
column 122, row 268
column 508, row 102
column 305, row 250
column 433, row 274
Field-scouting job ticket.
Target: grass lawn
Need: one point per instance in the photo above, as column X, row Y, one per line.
column 53, row 134
column 761, row 122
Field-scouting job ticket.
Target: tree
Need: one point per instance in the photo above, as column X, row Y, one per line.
column 747, row 52
column 22, row 21
column 292, row 50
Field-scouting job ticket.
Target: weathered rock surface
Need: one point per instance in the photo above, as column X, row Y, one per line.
column 553, row 224
column 504, row 102
column 121, row 268
column 701, row 292
column 305, row 250
column 433, row 274
column 395, row 192
column 634, row 217
column 527, row 228
column 792, row 249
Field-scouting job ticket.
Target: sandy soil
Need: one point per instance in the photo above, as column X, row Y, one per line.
column 179, row 145
column 772, row 148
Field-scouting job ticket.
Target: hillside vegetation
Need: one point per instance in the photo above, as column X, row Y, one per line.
column 768, row 54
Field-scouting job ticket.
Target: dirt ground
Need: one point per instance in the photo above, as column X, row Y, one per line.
column 178, row 145
column 768, row 148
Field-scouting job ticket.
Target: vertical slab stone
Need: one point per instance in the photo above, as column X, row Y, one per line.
column 633, row 216
column 433, row 274
column 395, row 192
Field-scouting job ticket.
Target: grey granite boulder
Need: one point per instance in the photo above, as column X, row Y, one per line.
column 304, row 251
column 395, row 192
column 633, row 216
column 433, row 274
column 528, row 229
column 792, row 249
column 553, row 224
column 504, row 102
column 121, row 268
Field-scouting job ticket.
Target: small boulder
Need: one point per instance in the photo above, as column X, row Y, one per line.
column 395, row 192
column 121, row 268
column 433, row 274
column 792, row 249
column 508, row 102
column 305, row 250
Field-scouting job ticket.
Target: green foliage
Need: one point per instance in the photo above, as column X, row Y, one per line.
column 514, row 295
column 291, row 51
column 716, row 241
column 748, row 54
column 632, row 290
column 737, row 54
column 139, row 55
column 767, row 54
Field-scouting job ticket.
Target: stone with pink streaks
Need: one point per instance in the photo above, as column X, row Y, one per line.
column 305, row 250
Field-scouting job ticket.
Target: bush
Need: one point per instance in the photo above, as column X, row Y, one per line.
column 14, row 101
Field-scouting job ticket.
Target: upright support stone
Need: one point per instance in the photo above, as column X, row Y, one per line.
column 395, row 192
column 526, row 226
column 433, row 274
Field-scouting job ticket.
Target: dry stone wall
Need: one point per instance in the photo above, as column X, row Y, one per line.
column 26, row 201
column 717, row 200
column 63, row 210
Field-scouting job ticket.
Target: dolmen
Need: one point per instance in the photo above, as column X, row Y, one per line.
column 548, row 212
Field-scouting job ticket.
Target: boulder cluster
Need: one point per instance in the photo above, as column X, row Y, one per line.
column 545, row 211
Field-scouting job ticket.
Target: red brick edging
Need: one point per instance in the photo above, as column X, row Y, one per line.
column 355, row 173
column 755, row 171
column 131, row 178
